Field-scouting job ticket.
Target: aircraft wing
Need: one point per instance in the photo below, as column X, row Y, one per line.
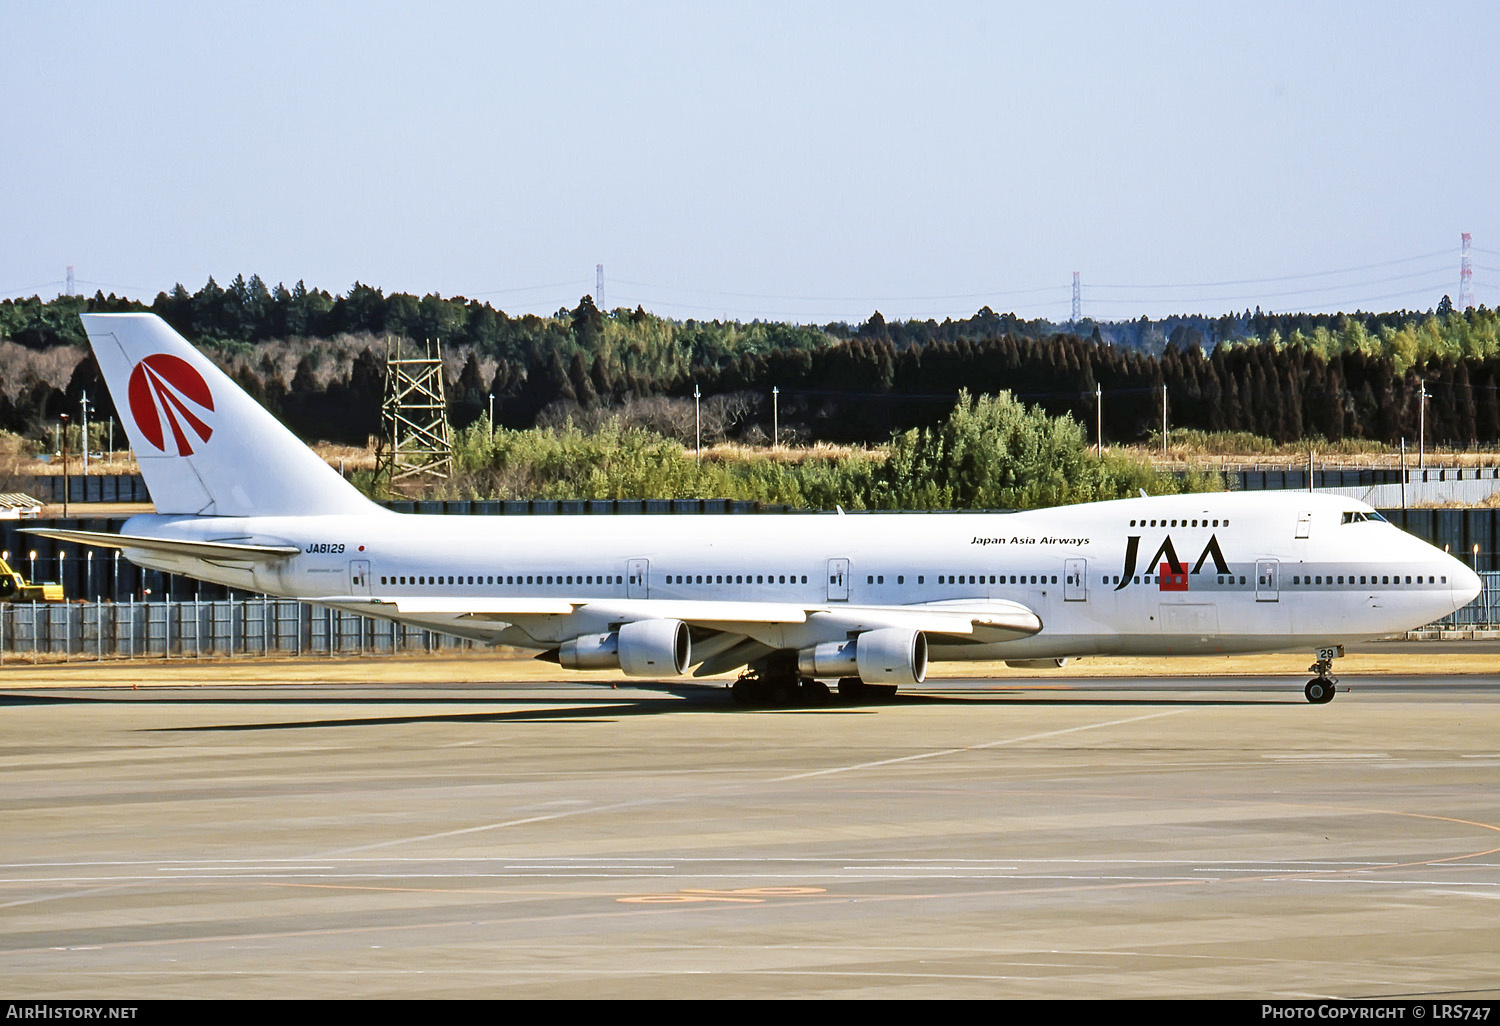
column 993, row 618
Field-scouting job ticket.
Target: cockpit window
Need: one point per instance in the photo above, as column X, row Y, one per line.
column 1356, row 517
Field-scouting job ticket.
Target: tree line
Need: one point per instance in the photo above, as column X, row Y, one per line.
column 317, row 360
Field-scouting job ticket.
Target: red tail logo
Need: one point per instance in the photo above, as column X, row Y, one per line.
column 163, row 390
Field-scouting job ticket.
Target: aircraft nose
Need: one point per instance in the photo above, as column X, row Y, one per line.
column 1466, row 585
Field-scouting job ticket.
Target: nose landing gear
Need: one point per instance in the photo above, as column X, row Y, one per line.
column 1320, row 689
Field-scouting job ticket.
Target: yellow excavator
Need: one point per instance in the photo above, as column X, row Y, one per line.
column 14, row 588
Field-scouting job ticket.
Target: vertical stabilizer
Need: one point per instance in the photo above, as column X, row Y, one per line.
column 204, row 446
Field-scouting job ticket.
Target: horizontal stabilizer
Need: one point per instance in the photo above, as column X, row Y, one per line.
column 212, row 550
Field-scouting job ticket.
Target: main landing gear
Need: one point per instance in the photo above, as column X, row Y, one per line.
column 1320, row 689
column 780, row 690
column 777, row 682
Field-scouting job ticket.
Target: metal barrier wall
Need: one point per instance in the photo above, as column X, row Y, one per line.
column 233, row 627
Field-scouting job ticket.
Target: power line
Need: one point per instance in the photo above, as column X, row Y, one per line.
column 532, row 288
column 1434, row 272
column 845, row 299
column 1428, row 292
column 30, row 288
column 1286, row 277
column 113, row 285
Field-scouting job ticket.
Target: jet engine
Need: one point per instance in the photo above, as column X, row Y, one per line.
column 642, row 648
column 891, row 655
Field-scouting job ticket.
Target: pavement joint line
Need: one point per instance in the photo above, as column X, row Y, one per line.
column 973, row 748
column 731, row 788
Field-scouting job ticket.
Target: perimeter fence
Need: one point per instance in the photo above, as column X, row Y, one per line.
column 253, row 626
column 232, row 627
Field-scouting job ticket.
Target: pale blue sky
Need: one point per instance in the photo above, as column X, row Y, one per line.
column 800, row 161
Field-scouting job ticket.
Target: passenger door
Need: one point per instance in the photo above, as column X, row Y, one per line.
column 1075, row 580
column 838, row 580
column 359, row 577
column 1267, row 583
column 637, row 578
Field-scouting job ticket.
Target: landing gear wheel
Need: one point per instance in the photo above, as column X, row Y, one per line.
column 777, row 689
column 1319, row 691
column 814, row 692
column 746, row 691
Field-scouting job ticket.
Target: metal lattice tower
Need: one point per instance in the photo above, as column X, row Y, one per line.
column 1465, row 277
column 414, row 415
column 70, row 280
column 1077, row 300
column 599, row 286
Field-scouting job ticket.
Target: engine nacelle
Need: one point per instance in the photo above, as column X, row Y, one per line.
column 643, row 648
column 891, row 655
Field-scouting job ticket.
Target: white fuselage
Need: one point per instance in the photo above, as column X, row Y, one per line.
column 1209, row 572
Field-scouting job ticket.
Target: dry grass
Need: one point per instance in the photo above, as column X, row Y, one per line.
column 729, row 452
column 1295, row 458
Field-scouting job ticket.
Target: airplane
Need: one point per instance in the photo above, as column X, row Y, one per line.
column 865, row 600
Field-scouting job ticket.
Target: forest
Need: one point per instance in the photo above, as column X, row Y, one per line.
column 317, row 359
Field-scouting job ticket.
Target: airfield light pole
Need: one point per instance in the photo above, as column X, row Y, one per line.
column 492, row 416
column 1099, row 418
column 1483, row 591
column 83, row 404
column 1422, row 426
column 697, row 425
column 1164, row 420
column 1403, row 472
column 64, row 418
column 775, row 417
